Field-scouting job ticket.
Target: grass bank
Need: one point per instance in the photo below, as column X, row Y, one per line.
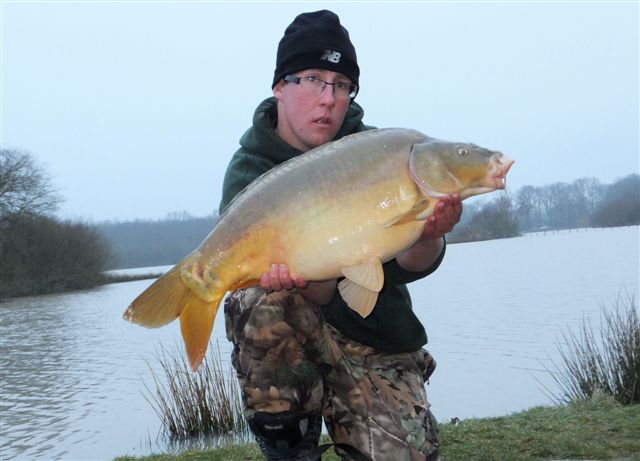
column 599, row 428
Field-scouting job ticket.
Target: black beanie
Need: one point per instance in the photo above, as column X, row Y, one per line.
column 316, row 41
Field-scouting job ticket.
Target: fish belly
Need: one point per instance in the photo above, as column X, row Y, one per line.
column 336, row 232
column 334, row 249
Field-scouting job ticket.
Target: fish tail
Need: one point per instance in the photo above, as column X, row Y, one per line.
column 159, row 304
column 196, row 324
column 169, row 298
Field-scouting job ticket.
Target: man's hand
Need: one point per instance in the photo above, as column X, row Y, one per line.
column 446, row 215
column 426, row 250
column 278, row 278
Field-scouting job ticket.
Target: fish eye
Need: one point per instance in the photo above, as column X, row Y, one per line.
column 462, row 151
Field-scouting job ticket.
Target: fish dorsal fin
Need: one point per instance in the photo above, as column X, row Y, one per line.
column 357, row 297
column 368, row 274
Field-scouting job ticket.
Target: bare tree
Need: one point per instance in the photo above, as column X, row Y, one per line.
column 506, row 217
column 25, row 188
column 594, row 191
column 526, row 204
column 39, row 253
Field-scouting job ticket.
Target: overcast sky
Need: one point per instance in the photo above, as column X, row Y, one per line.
column 135, row 108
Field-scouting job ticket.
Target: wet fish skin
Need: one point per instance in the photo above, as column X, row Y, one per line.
column 339, row 210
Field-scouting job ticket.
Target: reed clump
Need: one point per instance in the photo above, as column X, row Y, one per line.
column 608, row 362
column 204, row 403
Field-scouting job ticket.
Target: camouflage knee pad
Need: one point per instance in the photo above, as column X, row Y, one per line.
column 276, row 355
column 377, row 402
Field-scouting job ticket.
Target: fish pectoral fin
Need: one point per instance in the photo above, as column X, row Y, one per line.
column 400, row 219
column 417, row 213
column 368, row 274
column 196, row 323
column 357, row 297
column 159, row 304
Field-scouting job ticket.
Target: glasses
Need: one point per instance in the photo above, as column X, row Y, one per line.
column 342, row 90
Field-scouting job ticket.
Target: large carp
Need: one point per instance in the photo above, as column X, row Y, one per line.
column 340, row 210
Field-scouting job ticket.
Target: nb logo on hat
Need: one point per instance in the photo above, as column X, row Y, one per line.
column 331, row 56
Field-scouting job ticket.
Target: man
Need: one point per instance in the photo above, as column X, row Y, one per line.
column 300, row 353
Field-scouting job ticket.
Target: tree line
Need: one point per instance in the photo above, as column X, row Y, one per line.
column 145, row 243
column 585, row 202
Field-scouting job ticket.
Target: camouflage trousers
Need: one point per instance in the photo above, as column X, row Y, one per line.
column 288, row 358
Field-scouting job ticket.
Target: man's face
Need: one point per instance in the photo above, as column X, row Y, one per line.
column 308, row 118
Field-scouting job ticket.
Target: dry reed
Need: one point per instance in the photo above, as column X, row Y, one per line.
column 609, row 362
column 198, row 404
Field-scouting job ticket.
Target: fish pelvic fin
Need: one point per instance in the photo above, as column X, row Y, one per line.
column 361, row 286
column 357, row 297
column 196, row 322
column 368, row 274
column 159, row 304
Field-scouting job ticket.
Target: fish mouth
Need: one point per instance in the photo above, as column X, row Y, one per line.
column 498, row 169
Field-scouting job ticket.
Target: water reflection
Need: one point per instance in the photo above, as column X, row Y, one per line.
column 51, row 342
column 73, row 371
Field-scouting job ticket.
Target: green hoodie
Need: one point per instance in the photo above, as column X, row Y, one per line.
column 392, row 326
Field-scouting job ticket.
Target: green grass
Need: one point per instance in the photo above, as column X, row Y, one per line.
column 599, row 428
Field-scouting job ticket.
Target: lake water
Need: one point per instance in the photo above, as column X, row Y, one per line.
column 73, row 372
